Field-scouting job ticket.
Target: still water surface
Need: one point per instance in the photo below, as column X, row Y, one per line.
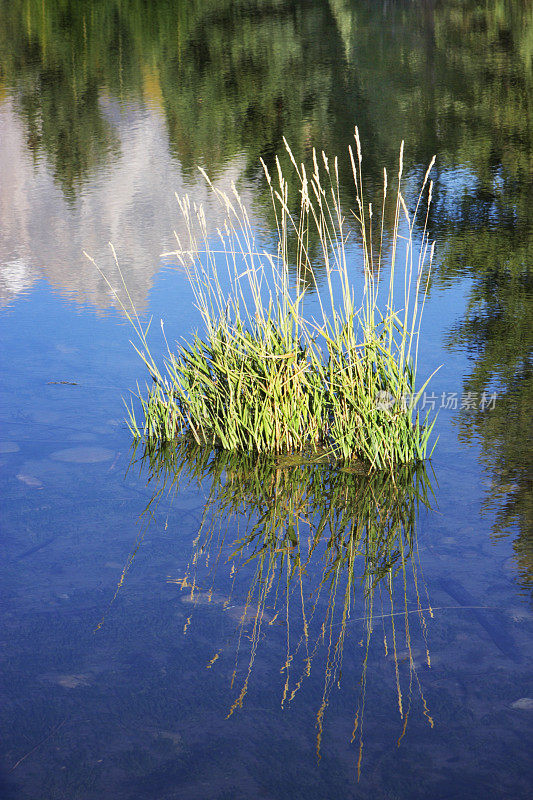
column 129, row 635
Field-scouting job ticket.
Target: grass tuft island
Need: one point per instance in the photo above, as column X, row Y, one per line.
column 290, row 361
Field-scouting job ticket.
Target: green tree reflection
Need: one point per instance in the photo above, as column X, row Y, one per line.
column 457, row 79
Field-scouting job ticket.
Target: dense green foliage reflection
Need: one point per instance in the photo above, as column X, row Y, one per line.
column 233, row 77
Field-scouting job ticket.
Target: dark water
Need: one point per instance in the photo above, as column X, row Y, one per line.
column 109, row 687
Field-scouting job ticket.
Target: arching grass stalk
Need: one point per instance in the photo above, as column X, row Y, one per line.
column 266, row 375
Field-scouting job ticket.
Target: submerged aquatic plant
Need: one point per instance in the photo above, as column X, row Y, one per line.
column 313, row 547
column 267, row 374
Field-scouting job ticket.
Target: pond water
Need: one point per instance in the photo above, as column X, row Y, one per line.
column 157, row 640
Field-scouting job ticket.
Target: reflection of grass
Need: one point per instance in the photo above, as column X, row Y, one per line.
column 319, row 541
column 266, row 376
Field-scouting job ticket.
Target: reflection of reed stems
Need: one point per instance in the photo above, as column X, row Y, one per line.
column 317, row 539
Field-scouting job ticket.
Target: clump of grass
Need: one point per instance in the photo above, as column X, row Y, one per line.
column 266, row 374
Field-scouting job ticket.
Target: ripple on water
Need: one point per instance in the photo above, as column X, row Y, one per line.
column 524, row 704
column 83, row 455
column 9, row 447
column 30, row 480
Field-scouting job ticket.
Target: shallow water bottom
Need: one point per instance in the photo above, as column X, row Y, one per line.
column 111, row 687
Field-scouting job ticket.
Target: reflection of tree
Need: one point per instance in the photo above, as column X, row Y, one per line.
column 66, row 122
column 318, row 549
column 464, row 90
column 488, row 235
column 250, row 73
column 498, row 332
column 47, row 55
column 232, row 77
